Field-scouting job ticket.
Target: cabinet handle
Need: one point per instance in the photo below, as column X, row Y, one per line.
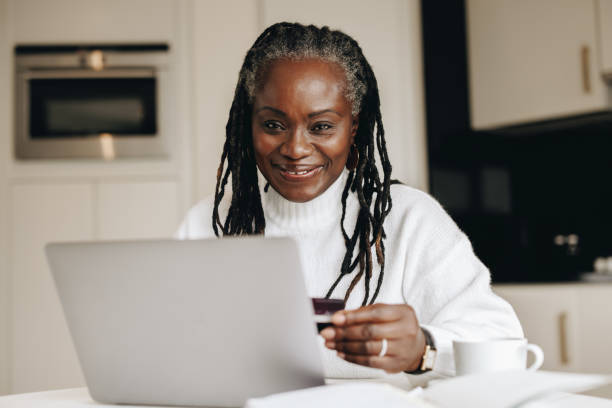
column 563, row 338
column 586, row 70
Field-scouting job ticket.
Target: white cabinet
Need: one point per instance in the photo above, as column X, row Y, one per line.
column 532, row 60
column 605, row 35
column 42, row 353
column 594, row 315
column 130, row 210
column 571, row 322
column 548, row 316
column 103, row 21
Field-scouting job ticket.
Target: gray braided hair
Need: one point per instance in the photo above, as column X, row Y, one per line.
column 313, row 43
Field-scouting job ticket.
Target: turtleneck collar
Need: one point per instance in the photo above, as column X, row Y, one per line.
column 320, row 211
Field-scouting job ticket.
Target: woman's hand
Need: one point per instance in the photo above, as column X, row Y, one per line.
column 357, row 337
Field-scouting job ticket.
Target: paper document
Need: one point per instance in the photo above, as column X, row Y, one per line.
column 351, row 394
column 507, row 389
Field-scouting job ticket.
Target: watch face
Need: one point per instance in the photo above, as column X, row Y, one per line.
column 428, row 358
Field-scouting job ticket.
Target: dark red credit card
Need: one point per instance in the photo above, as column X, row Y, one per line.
column 324, row 308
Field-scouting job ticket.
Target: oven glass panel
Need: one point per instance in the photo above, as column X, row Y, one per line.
column 77, row 107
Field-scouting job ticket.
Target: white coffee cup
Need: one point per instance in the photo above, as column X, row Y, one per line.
column 501, row 354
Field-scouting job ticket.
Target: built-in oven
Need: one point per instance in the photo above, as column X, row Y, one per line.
column 95, row 101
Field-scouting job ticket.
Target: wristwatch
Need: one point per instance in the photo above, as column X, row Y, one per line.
column 429, row 356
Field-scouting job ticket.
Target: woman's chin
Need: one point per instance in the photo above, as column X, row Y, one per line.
column 297, row 193
column 297, row 196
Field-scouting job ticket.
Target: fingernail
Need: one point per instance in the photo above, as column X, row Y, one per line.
column 341, row 355
column 330, row 344
column 338, row 318
column 328, row 333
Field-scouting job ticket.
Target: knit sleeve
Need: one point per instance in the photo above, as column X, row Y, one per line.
column 450, row 287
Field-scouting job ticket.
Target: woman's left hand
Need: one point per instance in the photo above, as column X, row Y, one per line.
column 357, row 337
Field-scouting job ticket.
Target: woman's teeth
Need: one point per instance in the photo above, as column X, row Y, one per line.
column 298, row 172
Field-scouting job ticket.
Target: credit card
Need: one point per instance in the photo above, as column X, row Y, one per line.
column 324, row 308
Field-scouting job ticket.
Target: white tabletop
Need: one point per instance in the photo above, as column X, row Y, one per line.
column 68, row 398
column 79, row 398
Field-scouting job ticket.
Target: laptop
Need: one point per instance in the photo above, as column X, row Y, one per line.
column 196, row 323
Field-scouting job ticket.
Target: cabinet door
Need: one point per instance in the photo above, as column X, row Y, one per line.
column 548, row 316
column 532, row 60
column 43, row 356
column 605, row 35
column 69, row 21
column 595, row 328
column 130, row 210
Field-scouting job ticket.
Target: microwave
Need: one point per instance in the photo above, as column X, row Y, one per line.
column 93, row 101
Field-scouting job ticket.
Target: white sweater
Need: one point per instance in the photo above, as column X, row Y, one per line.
column 430, row 265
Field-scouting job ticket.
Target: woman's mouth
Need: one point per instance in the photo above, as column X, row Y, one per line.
column 299, row 173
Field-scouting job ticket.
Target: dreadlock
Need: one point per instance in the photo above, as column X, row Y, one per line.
column 245, row 215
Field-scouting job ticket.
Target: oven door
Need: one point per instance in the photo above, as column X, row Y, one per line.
column 78, row 113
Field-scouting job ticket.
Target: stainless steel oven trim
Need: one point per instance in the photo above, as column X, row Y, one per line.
column 84, row 73
column 112, row 60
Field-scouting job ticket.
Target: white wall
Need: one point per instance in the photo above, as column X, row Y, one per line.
column 208, row 42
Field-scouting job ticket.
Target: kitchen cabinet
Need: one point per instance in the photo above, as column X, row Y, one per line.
column 101, row 21
column 131, row 210
column 570, row 322
column 532, row 60
column 548, row 315
column 42, row 353
column 595, row 327
column 604, row 14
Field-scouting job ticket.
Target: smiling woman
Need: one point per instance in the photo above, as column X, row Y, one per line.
column 300, row 73
column 306, row 113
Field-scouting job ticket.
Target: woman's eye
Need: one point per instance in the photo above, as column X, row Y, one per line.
column 271, row 125
column 322, row 127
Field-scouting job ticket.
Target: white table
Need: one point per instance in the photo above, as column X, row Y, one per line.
column 79, row 398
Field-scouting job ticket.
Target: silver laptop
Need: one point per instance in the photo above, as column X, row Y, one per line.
column 202, row 322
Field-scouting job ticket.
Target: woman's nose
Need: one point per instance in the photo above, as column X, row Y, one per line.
column 297, row 145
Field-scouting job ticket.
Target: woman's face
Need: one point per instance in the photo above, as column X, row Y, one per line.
column 303, row 127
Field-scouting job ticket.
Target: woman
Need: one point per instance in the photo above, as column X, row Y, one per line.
column 306, row 115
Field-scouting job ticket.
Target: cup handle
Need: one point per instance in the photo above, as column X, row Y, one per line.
column 538, row 354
